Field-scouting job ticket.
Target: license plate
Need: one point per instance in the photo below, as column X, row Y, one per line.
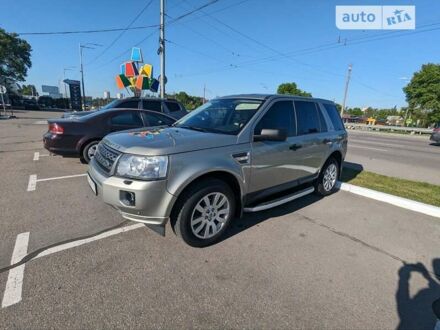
column 92, row 184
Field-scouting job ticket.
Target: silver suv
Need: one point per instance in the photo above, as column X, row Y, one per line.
column 235, row 154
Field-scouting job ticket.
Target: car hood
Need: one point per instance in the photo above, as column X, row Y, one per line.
column 165, row 141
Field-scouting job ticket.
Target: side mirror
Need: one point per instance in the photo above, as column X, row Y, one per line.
column 271, row 135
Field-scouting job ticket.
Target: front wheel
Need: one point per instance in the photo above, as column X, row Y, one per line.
column 326, row 182
column 204, row 212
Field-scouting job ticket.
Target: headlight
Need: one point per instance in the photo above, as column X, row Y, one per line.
column 148, row 167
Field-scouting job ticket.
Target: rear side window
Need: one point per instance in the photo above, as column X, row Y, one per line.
column 333, row 113
column 127, row 119
column 307, row 117
column 128, row 104
column 173, row 106
column 279, row 116
column 152, row 105
column 157, row 120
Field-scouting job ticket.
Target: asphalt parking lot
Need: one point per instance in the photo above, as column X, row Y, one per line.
column 343, row 262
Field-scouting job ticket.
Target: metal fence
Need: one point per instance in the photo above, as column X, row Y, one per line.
column 410, row 130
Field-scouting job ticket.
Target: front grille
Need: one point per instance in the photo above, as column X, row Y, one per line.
column 106, row 157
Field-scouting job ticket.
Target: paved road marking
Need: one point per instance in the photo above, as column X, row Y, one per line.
column 362, row 147
column 73, row 244
column 37, row 156
column 405, row 203
column 14, row 284
column 32, row 184
column 62, row 177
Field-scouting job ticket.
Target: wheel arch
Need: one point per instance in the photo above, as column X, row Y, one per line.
column 229, row 178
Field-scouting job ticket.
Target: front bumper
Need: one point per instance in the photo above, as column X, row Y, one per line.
column 152, row 204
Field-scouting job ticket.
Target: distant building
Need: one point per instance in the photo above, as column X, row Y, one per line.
column 119, row 96
column 106, row 95
column 52, row 91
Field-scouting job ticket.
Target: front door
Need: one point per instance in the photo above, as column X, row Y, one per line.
column 271, row 161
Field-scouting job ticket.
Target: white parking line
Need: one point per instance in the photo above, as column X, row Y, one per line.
column 32, row 184
column 37, row 156
column 62, row 177
column 13, row 291
column 14, row 284
column 369, row 148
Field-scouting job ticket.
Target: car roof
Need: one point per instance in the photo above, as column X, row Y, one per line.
column 274, row 96
column 137, row 98
column 93, row 114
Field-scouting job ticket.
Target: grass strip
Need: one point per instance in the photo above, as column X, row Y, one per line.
column 418, row 191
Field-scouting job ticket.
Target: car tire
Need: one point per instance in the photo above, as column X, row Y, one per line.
column 89, row 150
column 200, row 223
column 327, row 179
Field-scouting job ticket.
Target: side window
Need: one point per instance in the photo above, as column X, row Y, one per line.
column 279, row 116
column 333, row 113
column 128, row 104
column 322, row 121
column 157, row 120
column 127, row 119
column 173, row 106
column 152, row 105
column 307, row 117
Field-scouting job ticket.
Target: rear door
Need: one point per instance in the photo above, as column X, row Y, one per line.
column 123, row 120
column 310, row 144
column 156, row 119
column 152, row 105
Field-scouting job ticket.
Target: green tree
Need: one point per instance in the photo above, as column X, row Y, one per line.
column 292, row 89
column 15, row 57
column 29, row 90
column 189, row 102
column 423, row 94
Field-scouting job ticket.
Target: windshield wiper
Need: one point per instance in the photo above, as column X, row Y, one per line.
column 194, row 128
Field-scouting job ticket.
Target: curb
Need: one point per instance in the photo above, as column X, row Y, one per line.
column 405, row 203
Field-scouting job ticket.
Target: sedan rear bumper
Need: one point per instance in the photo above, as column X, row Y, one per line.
column 56, row 144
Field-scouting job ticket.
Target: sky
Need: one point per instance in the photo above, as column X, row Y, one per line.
column 229, row 47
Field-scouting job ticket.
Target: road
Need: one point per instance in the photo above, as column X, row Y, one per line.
column 407, row 157
column 341, row 262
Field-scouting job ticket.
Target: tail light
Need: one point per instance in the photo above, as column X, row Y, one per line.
column 437, row 129
column 54, row 128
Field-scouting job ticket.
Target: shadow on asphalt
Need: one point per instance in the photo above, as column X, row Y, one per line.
column 253, row 219
column 416, row 312
column 350, row 171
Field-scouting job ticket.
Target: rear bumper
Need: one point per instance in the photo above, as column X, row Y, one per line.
column 435, row 137
column 55, row 144
column 153, row 202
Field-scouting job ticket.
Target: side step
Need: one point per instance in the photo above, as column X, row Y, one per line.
column 279, row 201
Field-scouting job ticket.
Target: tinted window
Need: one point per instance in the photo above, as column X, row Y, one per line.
column 128, row 104
column 172, row 106
column 157, row 120
column 153, row 105
column 279, row 116
column 127, row 119
column 307, row 117
column 322, row 121
column 333, row 113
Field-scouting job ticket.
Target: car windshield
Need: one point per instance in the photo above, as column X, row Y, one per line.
column 224, row 116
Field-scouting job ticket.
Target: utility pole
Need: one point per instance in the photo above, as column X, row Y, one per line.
column 82, row 75
column 162, row 48
column 346, row 88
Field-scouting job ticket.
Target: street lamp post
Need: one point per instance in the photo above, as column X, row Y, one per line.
column 81, row 68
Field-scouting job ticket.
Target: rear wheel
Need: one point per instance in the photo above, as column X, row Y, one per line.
column 203, row 212
column 326, row 182
column 89, row 151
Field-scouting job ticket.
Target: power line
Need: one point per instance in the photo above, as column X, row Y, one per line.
column 122, row 32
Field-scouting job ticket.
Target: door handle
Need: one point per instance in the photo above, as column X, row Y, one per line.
column 327, row 141
column 295, row 147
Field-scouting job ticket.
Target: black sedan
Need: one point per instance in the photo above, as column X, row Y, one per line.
column 81, row 135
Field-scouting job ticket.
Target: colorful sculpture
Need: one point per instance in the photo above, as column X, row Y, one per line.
column 135, row 76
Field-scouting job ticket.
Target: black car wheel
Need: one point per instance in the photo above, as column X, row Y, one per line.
column 89, row 151
column 203, row 212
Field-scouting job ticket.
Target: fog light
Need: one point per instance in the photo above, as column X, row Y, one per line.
column 127, row 198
